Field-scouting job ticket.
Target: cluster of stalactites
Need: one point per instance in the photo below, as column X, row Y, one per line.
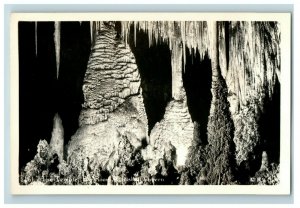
column 180, row 36
column 254, row 58
column 254, row 48
column 193, row 35
column 254, row 52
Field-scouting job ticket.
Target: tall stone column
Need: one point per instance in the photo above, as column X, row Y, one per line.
column 176, row 59
column 174, row 133
column 113, row 107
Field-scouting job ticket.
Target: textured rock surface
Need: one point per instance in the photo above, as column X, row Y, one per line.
column 254, row 66
column 175, row 129
column 220, row 148
column 254, row 63
column 113, row 106
column 111, row 77
column 250, row 72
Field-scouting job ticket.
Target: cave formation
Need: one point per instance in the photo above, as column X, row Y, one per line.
column 173, row 61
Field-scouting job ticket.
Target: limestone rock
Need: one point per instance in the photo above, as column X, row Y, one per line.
column 113, row 105
column 264, row 162
column 111, row 77
column 57, row 139
column 174, row 134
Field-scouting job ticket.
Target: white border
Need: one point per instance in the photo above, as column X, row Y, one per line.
column 282, row 188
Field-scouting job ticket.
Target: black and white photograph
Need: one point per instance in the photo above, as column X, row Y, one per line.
column 183, row 103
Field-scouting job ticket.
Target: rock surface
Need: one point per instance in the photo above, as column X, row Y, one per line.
column 111, row 77
column 113, row 106
column 175, row 131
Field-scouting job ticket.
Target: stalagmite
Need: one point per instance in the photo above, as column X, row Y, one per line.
column 175, row 130
column 220, row 125
column 113, row 110
column 264, row 162
column 57, row 139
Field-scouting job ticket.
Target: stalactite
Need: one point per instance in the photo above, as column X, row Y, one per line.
column 222, row 49
column 192, row 34
column 253, row 66
column 134, row 29
column 91, row 31
column 214, row 54
column 254, row 49
column 254, row 59
column 95, row 27
column 183, row 35
column 57, row 46
column 176, row 59
column 179, row 36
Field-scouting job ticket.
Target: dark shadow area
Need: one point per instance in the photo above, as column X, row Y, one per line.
column 41, row 94
column 269, row 130
column 27, row 68
column 248, row 168
column 37, row 85
column 75, row 49
column 154, row 64
column 197, row 84
column 269, row 125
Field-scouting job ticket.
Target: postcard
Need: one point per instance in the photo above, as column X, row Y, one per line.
column 150, row 103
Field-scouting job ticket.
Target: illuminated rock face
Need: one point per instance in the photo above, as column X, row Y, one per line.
column 113, row 106
column 57, row 139
column 111, row 77
column 176, row 128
